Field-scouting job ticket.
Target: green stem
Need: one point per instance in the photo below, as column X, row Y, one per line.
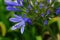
column 51, row 33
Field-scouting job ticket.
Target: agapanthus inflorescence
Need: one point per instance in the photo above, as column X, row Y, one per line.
column 39, row 9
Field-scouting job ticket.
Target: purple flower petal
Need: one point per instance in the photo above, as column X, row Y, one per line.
column 7, row 0
column 22, row 29
column 58, row 11
column 20, row 0
column 25, row 19
column 29, row 21
column 48, row 12
column 15, row 19
column 11, row 8
column 18, row 25
column 46, row 22
column 30, row 7
column 41, row 5
column 13, row 28
column 42, row 14
column 11, row 3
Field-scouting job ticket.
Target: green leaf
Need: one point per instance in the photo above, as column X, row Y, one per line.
column 33, row 30
column 58, row 23
column 52, row 20
column 56, row 4
column 38, row 37
column 3, row 28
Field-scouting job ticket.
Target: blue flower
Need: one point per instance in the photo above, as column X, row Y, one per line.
column 20, row 22
column 29, row 7
column 58, row 11
column 41, row 5
column 48, row 11
column 42, row 14
column 46, row 22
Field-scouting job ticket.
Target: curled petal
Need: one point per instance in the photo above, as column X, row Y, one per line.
column 10, row 8
column 7, row 0
column 22, row 29
column 15, row 20
column 13, row 28
column 17, row 26
column 11, row 3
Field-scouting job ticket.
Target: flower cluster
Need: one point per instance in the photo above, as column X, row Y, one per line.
column 20, row 22
column 33, row 9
